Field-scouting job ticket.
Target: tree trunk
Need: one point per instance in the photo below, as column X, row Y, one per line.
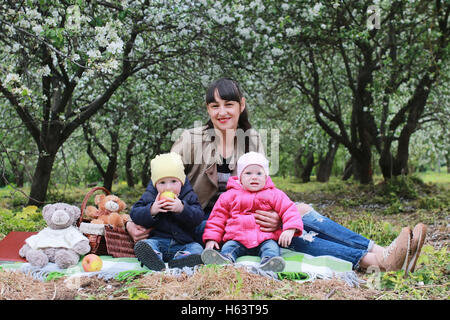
column 41, row 179
column 326, row 165
column 110, row 172
column 108, row 179
column 363, row 168
column 128, row 162
column 298, row 165
column 145, row 173
column 20, row 178
column 447, row 158
column 308, row 167
column 386, row 164
column 348, row 170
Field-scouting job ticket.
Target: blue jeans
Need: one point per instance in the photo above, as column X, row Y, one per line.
column 234, row 249
column 168, row 249
column 322, row 236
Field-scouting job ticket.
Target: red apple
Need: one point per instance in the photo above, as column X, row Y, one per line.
column 92, row 262
column 167, row 195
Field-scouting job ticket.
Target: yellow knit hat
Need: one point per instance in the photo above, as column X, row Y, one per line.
column 167, row 165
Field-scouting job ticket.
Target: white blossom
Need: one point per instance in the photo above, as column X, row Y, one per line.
column 315, row 10
column 277, row 52
column 204, row 80
column 12, row 78
column 45, row 71
column 290, row 32
column 37, row 29
column 93, row 54
column 245, row 32
column 115, row 46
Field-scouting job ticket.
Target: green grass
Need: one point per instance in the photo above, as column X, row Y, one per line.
column 440, row 178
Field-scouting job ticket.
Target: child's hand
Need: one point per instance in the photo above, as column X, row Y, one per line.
column 158, row 206
column 211, row 244
column 286, row 237
column 174, row 205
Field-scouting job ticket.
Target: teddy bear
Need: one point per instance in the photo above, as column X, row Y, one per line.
column 60, row 242
column 108, row 211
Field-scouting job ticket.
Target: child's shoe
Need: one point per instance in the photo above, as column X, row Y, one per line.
column 211, row 256
column 275, row 264
column 418, row 238
column 148, row 257
column 395, row 256
column 189, row 260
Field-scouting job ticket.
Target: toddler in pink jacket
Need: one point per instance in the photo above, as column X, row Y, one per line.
column 232, row 222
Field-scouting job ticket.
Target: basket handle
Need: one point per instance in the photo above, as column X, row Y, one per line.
column 86, row 198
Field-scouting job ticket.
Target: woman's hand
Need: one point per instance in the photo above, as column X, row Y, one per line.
column 269, row 221
column 137, row 232
column 211, row 244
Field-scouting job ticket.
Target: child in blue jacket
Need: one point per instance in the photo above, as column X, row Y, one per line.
column 173, row 220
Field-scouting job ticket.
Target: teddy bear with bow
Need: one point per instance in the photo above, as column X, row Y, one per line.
column 60, row 242
column 108, row 211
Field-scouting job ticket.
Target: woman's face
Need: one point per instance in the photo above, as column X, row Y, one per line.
column 225, row 114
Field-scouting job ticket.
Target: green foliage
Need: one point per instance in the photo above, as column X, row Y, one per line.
column 382, row 232
column 136, row 294
column 27, row 219
column 395, row 207
column 9, row 197
column 435, row 202
column 429, row 280
column 404, row 186
column 235, row 287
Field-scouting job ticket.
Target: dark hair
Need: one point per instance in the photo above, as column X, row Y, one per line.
column 228, row 90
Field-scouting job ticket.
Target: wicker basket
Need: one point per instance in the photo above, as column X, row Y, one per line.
column 118, row 242
column 96, row 241
column 114, row 241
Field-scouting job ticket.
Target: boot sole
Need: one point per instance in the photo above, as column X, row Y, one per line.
column 211, row 256
column 412, row 264
column 190, row 261
column 405, row 263
column 148, row 257
column 276, row 264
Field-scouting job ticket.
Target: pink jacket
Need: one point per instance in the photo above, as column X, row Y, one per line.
column 232, row 216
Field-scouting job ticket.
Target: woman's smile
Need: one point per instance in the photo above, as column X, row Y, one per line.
column 224, row 120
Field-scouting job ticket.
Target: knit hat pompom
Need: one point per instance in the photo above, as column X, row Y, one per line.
column 252, row 158
column 167, row 165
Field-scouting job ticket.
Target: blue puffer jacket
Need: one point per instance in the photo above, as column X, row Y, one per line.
column 178, row 226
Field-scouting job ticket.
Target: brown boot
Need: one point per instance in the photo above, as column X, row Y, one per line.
column 395, row 256
column 418, row 238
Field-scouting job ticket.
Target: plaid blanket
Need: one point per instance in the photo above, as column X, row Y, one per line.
column 299, row 267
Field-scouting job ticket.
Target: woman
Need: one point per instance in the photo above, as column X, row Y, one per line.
column 210, row 154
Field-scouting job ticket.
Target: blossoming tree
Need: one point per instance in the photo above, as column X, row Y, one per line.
column 63, row 60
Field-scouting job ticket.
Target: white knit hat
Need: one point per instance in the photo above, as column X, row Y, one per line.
column 252, row 158
column 167, row 165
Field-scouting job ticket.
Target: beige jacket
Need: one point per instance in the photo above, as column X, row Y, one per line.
column 200, row 156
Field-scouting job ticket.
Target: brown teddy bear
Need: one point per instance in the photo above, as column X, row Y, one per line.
column 61, row 242
column 108, row 211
